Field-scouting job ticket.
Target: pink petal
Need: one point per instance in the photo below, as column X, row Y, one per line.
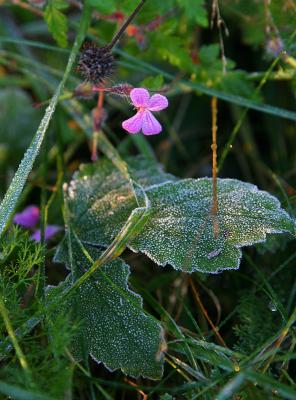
column 50, row 231
column 157, row 102
column 134, row 124
column 150, row 125
column 139, row 97
column 28, row 218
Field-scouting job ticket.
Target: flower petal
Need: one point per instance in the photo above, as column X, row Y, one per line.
column 133, row 124
column 139, row 97
column 50, row 231
column 150, row 125
column 28, row 218
column 157, row 102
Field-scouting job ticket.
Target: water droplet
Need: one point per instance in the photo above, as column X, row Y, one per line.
column 236, row 367
column 272, row 306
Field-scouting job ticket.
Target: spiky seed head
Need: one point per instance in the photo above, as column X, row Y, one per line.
column 95, row 63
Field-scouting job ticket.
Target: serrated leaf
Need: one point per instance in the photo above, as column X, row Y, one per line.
column 209, row 54
column 195, row 10
column 114, row 329
column 172, row 48
column 104, row 6
column 56, row 21
column 236, row 82
column 152, row 82
column 180, row 230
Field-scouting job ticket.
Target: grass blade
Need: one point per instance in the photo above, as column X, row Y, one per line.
column 20, row 394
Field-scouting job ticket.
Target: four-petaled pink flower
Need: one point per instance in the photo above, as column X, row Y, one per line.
column 144, row 120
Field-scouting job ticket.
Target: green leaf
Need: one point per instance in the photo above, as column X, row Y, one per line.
column 18, row 393
column 104, row 6
column 56, row 21
column 152, row 82
column 16, row 115
column 114, row 328
column 195, row 10
column 9, row 202
column 172, row 48
column 166, row 396
column 209, row 54
column 180, row 229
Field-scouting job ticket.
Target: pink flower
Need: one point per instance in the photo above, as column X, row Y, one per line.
column 50, row 231
column 144, row 119
column 28, row 218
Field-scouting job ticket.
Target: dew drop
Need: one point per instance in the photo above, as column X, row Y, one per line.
column 272, row 306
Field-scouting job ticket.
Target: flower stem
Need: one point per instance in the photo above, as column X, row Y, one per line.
column 125, row 25
column 214, row 166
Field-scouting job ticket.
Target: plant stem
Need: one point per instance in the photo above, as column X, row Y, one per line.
column 20, row 355
column 125, row 25
column 214, row 166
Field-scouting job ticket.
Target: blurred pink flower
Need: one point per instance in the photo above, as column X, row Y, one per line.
column 28, row 218
column 50, row 231
column 144, row 120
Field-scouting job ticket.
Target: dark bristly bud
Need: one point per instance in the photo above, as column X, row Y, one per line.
column 95, row 63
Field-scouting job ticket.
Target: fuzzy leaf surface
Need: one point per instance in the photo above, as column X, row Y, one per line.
column 180, row 230
column 113, row 327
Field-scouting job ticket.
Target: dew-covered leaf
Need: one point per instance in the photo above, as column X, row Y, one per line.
column 102, row 178
column 113, row 327
column 180, row 230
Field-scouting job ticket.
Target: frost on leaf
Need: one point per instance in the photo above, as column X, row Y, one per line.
column 112, row 325
column 180, row 229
